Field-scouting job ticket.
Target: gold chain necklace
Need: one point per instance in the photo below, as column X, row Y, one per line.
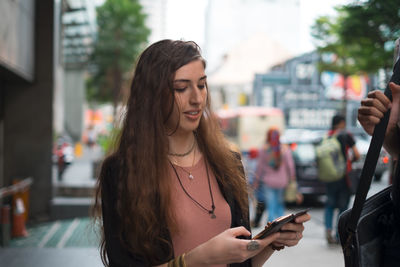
column 191, row 177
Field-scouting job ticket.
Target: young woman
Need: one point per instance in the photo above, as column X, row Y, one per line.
column 173, row 193
column 275, row 168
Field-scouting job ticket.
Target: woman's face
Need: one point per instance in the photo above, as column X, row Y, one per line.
column 190, row 97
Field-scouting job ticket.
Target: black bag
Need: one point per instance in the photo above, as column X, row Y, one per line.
column 365, row 245
column 362, row 229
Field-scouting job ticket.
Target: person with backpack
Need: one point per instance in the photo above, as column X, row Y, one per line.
column 337, row 189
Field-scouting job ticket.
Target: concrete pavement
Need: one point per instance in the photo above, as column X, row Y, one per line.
column 49, row 257
column 312, row 249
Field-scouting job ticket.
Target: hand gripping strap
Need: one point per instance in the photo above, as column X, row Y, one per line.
column 371, row 160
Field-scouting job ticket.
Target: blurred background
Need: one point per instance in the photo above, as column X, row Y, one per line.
column 65, row 67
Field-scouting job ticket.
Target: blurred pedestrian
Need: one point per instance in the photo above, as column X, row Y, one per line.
column 173, row 192
column 275, row 167
column 91, row 136
column 64, row 154
column 369, row 114
column 338, row 192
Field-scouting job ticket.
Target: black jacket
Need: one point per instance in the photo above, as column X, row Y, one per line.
column 117, row 253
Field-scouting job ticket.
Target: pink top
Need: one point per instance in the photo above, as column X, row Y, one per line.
column 276, row 178
column 194, row 223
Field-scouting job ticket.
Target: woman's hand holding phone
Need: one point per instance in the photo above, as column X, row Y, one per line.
column 290, row 227
column 227, row 248
column 292, row 233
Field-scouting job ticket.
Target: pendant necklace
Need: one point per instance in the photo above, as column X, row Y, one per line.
column 211, row 212
column 191, row 177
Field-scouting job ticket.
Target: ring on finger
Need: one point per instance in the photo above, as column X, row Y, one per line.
column 253, row 245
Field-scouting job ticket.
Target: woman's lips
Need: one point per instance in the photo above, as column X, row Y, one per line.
column 193, row 114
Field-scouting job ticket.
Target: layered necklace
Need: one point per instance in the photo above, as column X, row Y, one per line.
column 185, row 153
column 211, row 212
column 191, row 177
column 192, row 148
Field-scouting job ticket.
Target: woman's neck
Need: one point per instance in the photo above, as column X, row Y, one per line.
column 186, row 146
column 181, row 143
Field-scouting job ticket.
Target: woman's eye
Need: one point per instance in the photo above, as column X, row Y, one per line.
column 180, row 90
column 201, row 86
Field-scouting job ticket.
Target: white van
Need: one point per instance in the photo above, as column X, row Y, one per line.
column 247, row 126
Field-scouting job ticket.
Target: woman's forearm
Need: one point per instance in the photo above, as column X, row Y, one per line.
column 195, row 257
column 262, row 257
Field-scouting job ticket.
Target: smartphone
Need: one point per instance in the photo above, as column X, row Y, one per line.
column 277, row 224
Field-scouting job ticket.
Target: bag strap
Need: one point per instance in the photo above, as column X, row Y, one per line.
column 371, row 160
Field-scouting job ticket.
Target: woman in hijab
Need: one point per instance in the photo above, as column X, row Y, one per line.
column 275, row 168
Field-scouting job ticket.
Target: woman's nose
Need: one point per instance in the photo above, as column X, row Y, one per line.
column 195, row 96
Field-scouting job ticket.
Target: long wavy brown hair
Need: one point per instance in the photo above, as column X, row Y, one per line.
column 143, row 191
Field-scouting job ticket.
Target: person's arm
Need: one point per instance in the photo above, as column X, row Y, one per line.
column 350, row 142
column 260, row 169
column 356, row 153
column 290, row 164
column 262, row 257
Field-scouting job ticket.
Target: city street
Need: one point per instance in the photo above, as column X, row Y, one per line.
column 69, row 243
column 171, row 84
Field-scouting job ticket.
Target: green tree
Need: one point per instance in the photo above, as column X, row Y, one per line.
column 335, row 56
column 122, row 35
column 371, row 28
column 361, row 36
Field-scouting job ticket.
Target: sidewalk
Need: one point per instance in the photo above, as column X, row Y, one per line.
column 71, row 243
column 50, row 257
column 312, row 250
column 80, row 171
column 73, row 196
column 61, row 243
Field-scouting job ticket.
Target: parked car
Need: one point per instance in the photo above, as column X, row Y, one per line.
column 383, row 164
column 302, row 143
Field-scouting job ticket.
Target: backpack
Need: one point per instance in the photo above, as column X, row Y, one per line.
column 330, row 160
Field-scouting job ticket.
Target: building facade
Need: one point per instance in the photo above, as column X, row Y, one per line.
column 26, row 97
column 308, row 97
column 42, row 57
